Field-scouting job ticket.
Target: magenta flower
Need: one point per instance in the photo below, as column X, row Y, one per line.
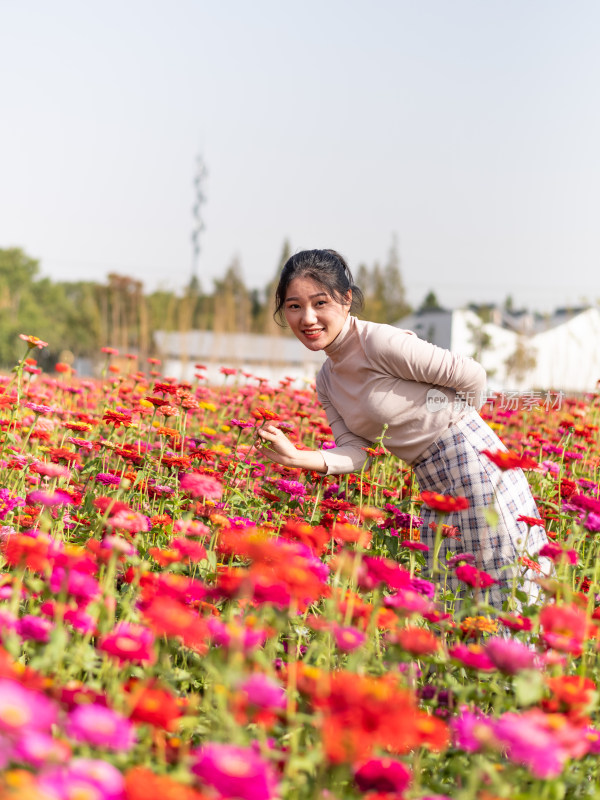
column 263, row 691
column 36, row 628
column 198, row 485
column 509, row 655
column 556, row 553
column 235, row 772
column 100, row 726
column 8, row 503
column 24, row 709
column 129, row 642
column 235, row 635
column 106, row 479
column 472, row 730
column 347, row 638
column 293, row 488
column 474, row 577
column 38, row 748
column 382, row 775
column 530, row 740
column 473, row 656
column 55, row 498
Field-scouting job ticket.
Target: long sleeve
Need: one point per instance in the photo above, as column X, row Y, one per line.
column 403, row 354
column 348, row 454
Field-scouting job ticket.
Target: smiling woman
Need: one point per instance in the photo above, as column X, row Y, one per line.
column 379, row 377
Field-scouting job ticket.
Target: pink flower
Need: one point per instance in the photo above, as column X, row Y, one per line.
column 293, row 488
column 23, row 709
column 263, row 692
column 198, row 485
column 129, row 642
column 408, row 601
column 55, row 498
column 347, row 638
column 100, row 726
column 474, row 577
column 473, row 656
column 532, row 738
column 85, row 778
column 129, row 521
column 472, row 730
column 8, row 503
column 36, row 628
column 235, row 772
column 235, row 635
column 191, row 527
column 38, row 748
column 382, row 775
column 510, row 655
column 557, row 553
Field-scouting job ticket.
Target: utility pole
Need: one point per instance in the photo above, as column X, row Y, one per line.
column 198, row 223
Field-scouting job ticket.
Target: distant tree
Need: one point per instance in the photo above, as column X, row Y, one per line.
column 29, row 305
column 430, row 303
column 232, row 304
column 394, row 293
column 480, row 339
column 509, row 305
column 521, row 361
column 263, row 302
column 383, row 289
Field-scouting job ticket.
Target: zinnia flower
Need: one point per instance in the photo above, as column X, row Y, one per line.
column 510, row 655
column 24, row 709
column 382, row 775
column 234, row 772
column 444, row 502
column 198, row 485
column 129, row 642
column 100, row 727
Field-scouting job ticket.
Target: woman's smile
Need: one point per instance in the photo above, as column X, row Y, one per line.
column 314, row 317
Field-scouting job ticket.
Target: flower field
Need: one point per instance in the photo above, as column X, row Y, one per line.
column 180, row 618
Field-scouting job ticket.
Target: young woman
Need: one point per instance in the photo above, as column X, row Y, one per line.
column 378, row 375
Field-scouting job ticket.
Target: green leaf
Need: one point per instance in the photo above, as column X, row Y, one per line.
column 529, row 687
column 491, row 517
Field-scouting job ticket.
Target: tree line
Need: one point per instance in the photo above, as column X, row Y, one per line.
column 78, row 318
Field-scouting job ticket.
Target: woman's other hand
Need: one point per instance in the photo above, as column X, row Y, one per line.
column 282, row 451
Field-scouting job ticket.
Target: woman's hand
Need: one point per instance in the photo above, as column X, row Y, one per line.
column 282, row 451
column 280, row 448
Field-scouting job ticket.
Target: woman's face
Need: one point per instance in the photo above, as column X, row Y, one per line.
column 313, row 315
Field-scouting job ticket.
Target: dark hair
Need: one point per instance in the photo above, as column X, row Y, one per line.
column 325, row 267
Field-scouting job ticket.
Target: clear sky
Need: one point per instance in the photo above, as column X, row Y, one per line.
column 470, row 129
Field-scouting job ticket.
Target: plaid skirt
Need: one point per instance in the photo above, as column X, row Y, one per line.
column 453, row 465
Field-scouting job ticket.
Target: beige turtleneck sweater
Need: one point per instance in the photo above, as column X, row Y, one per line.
column 377, row 374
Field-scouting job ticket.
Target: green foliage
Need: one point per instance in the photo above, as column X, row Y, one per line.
column 383, row 289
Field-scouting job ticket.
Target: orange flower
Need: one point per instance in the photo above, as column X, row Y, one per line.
column 33, row 341
column 142, row 784
column 509, row 460
column 444, row 502
column 418, row 641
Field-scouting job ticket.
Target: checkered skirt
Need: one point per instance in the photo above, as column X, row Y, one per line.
column 453, row 465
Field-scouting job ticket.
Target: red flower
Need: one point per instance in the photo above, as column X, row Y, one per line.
column 505, row 459
column 474, row 577
column 444, row 502
column 260, row 412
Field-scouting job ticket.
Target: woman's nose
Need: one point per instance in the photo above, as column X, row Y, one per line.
column 308, row 315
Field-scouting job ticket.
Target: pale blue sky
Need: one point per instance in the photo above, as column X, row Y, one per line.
column 468, row 128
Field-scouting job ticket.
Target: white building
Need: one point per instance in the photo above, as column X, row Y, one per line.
column 564, row 349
